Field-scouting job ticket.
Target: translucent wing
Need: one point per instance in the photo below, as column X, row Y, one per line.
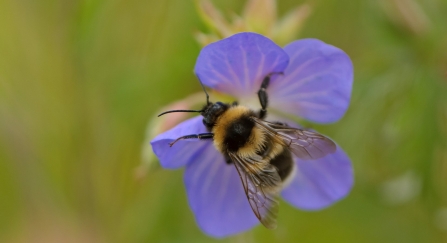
column 261, row 183
column 303, row 143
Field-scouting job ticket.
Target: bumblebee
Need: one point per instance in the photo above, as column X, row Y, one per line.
column 260, row 150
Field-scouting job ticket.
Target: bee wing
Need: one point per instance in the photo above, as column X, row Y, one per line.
column 303, row 143
column 260, row 181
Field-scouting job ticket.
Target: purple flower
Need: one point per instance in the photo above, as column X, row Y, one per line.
column 315, row 85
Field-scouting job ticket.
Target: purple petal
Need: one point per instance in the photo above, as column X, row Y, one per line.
column 317, row 83
column 321, row 182
column 216, row 195
column 237, row 65
column 184, row 151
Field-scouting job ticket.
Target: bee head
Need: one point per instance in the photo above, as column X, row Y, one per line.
column 211, row 112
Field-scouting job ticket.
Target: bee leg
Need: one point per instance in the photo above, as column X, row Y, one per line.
column 199, row 136
column 262, row 95
column 228, row 160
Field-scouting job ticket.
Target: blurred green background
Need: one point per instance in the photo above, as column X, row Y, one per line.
column 80, row 80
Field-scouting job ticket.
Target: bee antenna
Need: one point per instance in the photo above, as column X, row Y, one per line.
column 204, row 90
column 166, row 112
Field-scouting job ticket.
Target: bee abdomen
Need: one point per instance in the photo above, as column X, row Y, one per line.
column 284, row 163
column 238, row 133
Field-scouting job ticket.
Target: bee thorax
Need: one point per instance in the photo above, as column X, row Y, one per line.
column 235, row 130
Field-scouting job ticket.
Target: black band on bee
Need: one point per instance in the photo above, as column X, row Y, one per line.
column 284, row 163
column 238, row 133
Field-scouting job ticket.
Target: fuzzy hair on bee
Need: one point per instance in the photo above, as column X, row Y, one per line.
column 261, row 151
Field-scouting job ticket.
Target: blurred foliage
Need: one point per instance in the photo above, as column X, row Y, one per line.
column 79, row 81
column 258, row 16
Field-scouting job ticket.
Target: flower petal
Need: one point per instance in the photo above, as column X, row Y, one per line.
column 321, row 182
column 216, row 195
column 184, row 151
column 317, row 83
column 237, row 65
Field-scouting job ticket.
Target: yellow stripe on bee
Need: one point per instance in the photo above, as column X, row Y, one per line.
column 256, row 141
